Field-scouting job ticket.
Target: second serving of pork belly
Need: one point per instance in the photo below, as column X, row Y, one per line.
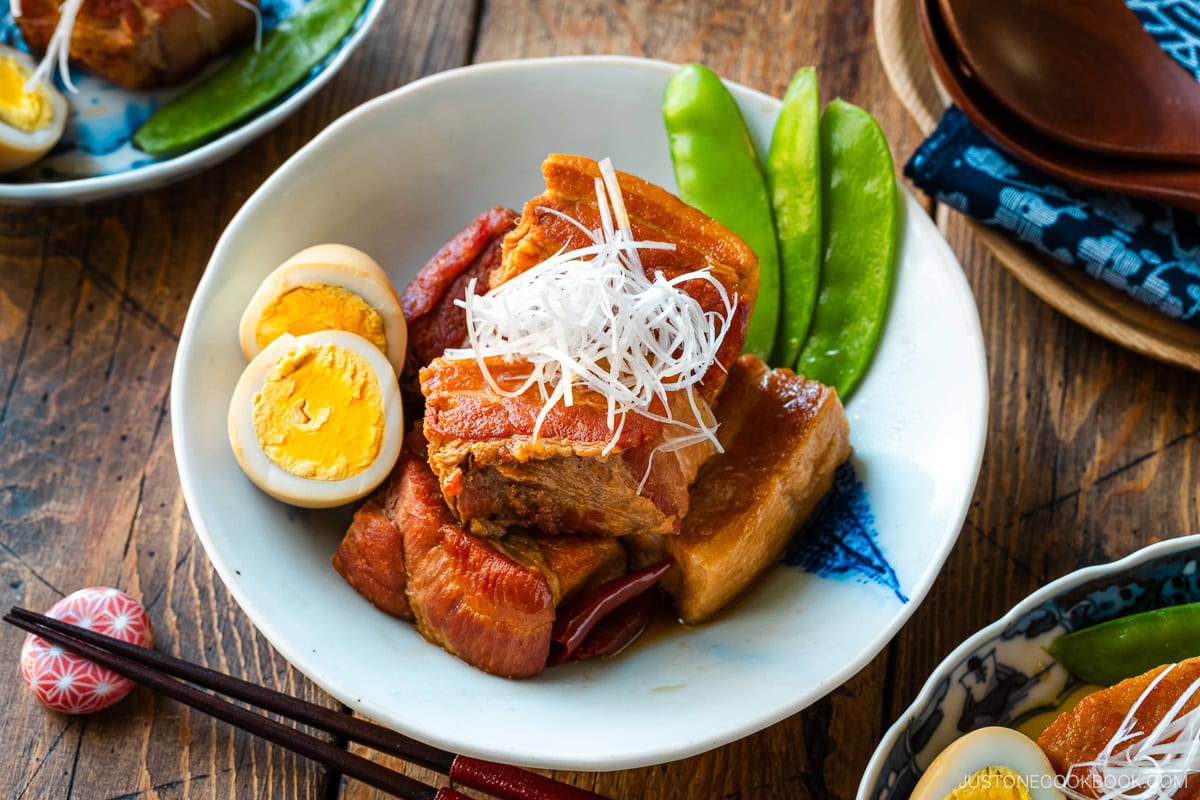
column 143, row 44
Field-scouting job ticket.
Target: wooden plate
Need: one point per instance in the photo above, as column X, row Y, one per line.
column 1094, row 305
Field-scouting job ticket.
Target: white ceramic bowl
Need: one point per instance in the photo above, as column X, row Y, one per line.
column 397, row 177
column 1004, row 672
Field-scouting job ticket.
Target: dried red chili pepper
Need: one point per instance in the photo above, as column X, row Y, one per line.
column 573, row 627
column 621, row 628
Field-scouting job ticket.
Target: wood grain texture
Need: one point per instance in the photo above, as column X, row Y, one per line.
column 1093, row 451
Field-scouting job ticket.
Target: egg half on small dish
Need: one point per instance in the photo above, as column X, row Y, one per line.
column 316, row 420
column 327, row 287
column 31, row 123
column 989, row 764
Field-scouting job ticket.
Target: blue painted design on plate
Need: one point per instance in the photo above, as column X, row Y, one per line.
column 841, row 540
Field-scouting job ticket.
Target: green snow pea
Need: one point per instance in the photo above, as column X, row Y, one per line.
column 717, row 169
column 861, row 228
column 1112, row 651
column 251, row 80
column 794, row 181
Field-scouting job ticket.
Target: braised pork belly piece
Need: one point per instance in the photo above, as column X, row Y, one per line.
column 1081, row 735
column 783, row 437
column 143, row 44
column 492, row 603
column 495, row 474
column 499, row 464
column 371, row 559
column 434, row 321
column 655, row 215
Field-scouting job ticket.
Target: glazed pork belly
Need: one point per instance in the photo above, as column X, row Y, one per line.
column 435, row 323
column 784, row 437
column 141, row 45
column 1080, row 735
column 490, row 602
column 371, row 559
column 494, row 472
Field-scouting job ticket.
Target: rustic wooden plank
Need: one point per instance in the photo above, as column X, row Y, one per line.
column 92, row 301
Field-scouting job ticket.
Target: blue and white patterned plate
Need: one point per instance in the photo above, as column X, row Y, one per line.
column 1003, row 671
column 96, row 159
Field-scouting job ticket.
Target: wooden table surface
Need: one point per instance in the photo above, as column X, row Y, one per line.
column 1092, row 451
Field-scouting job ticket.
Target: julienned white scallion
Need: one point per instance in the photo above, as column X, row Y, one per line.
column 58, row 50
column 592, row 318
column 1144, row 765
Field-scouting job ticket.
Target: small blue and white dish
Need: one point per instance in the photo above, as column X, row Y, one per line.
column 96, row 159
column 1003, row 672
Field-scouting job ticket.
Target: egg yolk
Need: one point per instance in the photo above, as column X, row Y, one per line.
column 320, row 413
column 315, row 307
column 991, row 783
column 27, row 112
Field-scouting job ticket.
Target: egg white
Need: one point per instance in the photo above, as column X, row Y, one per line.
column 278, row 482
column 989, row 747
column 20, row 148
column 335, row 265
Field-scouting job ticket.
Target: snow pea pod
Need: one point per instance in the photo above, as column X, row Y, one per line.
column 1112, row 651
column 794, row 181
column 717, row 170
column 861, row 228
column 251, row 80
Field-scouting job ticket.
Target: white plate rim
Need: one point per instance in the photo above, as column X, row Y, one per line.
column 153, row 176
column 299, row 659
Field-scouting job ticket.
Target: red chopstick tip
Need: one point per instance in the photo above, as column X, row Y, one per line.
column 64, row 681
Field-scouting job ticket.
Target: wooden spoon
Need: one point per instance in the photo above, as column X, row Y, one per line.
column 1085, row 73
column 1177, row 184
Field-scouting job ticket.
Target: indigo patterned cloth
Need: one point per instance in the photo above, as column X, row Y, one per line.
column 1175, row 25
column 1149, row 250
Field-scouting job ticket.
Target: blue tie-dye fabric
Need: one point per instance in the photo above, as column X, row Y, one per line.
column 1149, row 250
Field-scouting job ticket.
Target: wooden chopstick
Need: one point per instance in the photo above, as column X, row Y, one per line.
column 150, row 668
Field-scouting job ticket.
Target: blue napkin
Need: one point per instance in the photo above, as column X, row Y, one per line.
column 1149, row 250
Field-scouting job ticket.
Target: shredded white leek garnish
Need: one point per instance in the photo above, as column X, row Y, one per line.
column 591, row 317
column 201, row 10
column 258, row 22
column 58, row 51
column 14, row 7
column 1155, row 764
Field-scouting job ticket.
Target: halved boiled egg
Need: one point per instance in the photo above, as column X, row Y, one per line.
column 30, row 122
column 327, row 287
column 316, row 420
column 989, row 764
